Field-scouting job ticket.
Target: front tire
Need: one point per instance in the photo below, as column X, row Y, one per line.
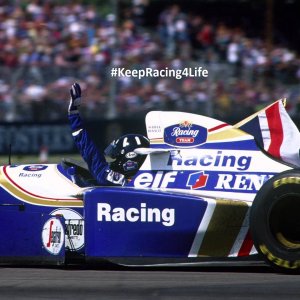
column 275, row 222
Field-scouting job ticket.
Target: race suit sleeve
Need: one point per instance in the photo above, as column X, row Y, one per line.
column 95, row 160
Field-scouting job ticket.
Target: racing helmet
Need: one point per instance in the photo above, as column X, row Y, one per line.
column 121, row 156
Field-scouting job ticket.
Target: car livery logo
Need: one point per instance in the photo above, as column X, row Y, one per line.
column 53, row 236
column 197, row 180
column 131, row 155
column 185, row 134
column 143, row 214
column 130, row 165
column 35, row 168
column 74, row 227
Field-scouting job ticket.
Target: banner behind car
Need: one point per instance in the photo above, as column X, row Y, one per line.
column 28, row 138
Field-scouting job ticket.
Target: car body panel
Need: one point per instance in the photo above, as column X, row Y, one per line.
column 190, row 199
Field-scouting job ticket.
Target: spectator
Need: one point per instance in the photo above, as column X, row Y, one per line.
column 45, row 44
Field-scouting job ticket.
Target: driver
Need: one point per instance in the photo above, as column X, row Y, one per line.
column 119, row 161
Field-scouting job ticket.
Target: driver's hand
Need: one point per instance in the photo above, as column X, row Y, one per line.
column 75, row 101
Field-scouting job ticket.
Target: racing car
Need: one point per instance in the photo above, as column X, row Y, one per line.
column 207, row 191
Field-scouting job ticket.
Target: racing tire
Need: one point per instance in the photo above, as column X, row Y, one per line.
column 275, row 222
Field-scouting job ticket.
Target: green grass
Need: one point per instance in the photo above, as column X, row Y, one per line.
column 34, row 159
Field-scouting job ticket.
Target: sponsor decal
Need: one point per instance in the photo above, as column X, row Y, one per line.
column 74, row 227
column 197, row 180
column 31, row 175
column 220, row 160
column 115, row 177
column 130, row 155
column 53, row 236
column 130, row 165
column 286, row 180
column 277, row 260
column 35, row 168
column 214, row 181
column 144, row 214
column 159, row 179
column 249, row 182
column 185, row 134
column 154, row 129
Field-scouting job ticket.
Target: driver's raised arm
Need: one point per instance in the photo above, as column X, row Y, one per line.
column 88, row 150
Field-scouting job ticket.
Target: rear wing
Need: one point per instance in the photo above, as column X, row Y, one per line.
column 275, row 132
column 174, row 130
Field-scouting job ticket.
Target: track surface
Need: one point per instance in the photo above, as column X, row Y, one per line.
column 108, row 283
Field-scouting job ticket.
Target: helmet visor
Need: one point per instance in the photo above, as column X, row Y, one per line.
column 111, row 153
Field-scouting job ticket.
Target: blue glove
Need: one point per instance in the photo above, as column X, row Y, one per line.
column 75, row 101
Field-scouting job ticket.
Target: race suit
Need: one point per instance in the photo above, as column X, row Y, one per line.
column 95, row 160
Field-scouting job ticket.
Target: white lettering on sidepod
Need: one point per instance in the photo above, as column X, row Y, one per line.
column 160, row 179
column 106, row 213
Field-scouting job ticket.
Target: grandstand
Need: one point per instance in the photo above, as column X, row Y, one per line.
column 46, row 45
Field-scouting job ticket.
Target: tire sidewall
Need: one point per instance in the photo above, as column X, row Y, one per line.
column 266, row 244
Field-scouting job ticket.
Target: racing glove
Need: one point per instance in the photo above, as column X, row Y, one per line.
column 75, row 101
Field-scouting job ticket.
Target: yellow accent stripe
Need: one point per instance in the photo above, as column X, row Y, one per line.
column 35, row 200
column 225, row 135
column 223, row 229
column 157, row 141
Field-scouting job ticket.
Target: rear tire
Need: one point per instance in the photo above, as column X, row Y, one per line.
column 275, row 222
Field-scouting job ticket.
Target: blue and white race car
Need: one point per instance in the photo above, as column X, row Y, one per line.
column 207, row 191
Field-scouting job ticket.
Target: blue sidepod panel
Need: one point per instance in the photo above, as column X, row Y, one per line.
column 125, row 222
column 31, row 237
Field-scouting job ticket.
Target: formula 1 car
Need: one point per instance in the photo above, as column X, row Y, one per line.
column 207, row 191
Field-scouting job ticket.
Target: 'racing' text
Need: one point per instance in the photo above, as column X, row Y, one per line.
column 105, row 213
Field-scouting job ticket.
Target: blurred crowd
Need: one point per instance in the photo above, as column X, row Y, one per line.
column 47, row 45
